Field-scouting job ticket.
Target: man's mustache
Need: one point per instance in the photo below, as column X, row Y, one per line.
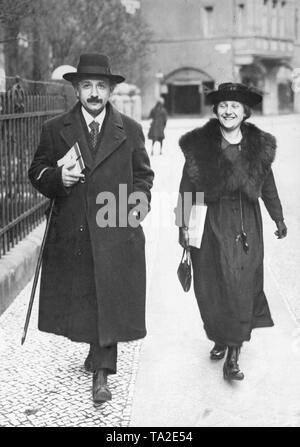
column 95, row 99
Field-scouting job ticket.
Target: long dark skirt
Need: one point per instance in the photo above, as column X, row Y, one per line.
column 228, row 282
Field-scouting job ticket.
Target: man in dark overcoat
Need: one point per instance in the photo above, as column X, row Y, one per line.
column 93, row 279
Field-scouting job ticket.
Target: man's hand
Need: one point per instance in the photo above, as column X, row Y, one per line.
column 69, row 178
column 281, row 231
column 184, row 237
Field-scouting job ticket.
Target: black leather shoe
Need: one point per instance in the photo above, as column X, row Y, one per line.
column 88, row 364
column 231, row 370
column 101, row 392
column 218, row 352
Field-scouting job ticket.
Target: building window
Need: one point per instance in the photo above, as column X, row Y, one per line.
column 282, row 19
column 265, row 17
column 240, row 18
column 208, row 24
column 274, row 18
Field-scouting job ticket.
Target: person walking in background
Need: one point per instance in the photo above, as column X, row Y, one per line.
column 159, row 120
column 230, row 161
column 93, row 280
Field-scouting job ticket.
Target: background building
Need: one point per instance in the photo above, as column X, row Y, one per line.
column 197, row 44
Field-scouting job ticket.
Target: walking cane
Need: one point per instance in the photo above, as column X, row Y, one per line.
column 36, row 274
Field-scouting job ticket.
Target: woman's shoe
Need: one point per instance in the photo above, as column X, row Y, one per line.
column 231, row 370
column 218, row 352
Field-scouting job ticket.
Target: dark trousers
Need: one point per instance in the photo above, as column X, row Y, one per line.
column 104, row 358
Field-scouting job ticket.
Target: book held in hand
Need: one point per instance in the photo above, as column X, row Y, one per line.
column 73, row 155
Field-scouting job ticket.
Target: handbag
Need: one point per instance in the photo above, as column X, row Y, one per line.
column 184, row 271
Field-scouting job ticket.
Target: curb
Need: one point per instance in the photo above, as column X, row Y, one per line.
column 18, row 265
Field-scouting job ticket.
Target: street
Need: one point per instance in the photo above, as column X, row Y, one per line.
column 167, row 379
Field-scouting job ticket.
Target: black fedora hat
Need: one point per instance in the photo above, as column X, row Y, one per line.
column 93, row 65
column 230, row 91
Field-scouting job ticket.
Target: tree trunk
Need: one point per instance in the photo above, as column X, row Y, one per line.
column 11, row 48
column 36, row 57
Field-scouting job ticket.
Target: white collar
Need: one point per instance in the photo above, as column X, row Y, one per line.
column 89, row 118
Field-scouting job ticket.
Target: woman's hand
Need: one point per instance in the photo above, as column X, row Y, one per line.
column 281, row 231
column 184, row 237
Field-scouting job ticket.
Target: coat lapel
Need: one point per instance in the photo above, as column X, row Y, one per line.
column 113, row 136
column 72, row 132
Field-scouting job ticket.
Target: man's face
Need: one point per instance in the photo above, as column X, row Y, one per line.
column 94, row 94
column 230, row 114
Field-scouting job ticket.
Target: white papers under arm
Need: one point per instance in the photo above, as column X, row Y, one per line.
column 196, row 224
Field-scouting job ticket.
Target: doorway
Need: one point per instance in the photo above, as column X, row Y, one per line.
column 184, row 91
column 184, row 99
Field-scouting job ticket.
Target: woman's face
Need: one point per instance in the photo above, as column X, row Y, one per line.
column 230, row 114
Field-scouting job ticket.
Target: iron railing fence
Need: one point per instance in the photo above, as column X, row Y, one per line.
column 23, row 109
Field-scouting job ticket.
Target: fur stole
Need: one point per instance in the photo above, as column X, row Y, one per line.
column 208, row 169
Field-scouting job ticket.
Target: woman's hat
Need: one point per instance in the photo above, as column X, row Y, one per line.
column 93, row 65
column 230, row 91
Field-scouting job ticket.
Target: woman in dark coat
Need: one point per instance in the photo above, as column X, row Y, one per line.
column 159, row 120
column 230, row 161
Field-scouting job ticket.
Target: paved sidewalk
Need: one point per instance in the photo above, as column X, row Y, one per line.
column 179, row 386
column 43, row 382
column 167, row 379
